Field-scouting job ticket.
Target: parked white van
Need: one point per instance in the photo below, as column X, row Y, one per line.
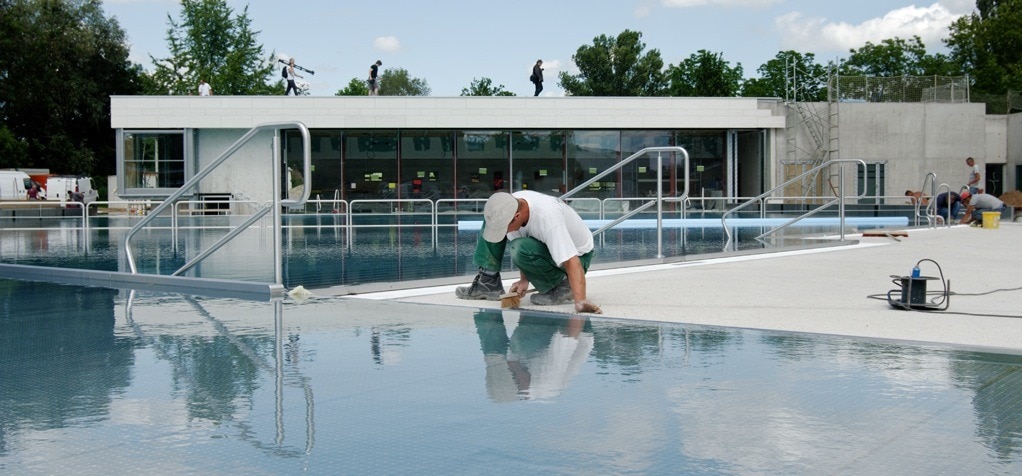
column 14, row 185
column 63, row 187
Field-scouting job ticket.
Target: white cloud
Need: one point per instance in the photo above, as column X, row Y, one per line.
column 717, row 3
column 388, row 44
column 818, row 34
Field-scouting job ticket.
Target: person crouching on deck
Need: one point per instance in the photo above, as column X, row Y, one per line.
column 550, row 245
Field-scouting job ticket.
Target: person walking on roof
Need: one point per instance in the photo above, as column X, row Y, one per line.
column 537, row 76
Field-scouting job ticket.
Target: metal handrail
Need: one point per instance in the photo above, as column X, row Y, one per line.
column 840, row 200
column 659, row 201
column 930, row 178
column 277, row 202
column 432, row 214
column 931, row 208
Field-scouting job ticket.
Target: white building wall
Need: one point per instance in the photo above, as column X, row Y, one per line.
column 247, row 174
column 389, row 112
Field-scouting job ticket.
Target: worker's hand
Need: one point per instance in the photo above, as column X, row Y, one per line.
column 586, row 306
column 519, row 287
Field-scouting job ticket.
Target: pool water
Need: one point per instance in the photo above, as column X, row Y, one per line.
column 316, row 251
column 100, row 381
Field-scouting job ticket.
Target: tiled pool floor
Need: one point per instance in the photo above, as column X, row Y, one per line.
column 95, row 381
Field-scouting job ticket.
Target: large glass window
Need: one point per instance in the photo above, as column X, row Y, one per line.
column 154, row 162
column 640, row 176
column 326, row 164
column 427, row 165
column 588, row 154
column 483, row 165
column 370, row 165
column 707, row 153
column 538, row 161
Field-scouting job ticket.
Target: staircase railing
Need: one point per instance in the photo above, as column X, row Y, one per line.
column 659, row 191
column 275, row 206
column 839, row 200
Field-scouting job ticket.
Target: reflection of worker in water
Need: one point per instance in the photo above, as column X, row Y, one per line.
column 540, row 358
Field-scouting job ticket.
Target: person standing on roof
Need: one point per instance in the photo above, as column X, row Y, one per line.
column 374, row 78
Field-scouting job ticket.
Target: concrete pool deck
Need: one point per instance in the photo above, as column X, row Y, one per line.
column 822, row 290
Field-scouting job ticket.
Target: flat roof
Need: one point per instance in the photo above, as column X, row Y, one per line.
column 403, row 112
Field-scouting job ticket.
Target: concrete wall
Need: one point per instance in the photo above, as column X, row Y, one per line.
column 912, row 139
column 915, row 139
column 1013, row 150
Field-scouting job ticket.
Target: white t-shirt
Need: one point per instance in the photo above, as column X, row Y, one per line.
column 974, row 174
column 556, row 225
column 204, row 89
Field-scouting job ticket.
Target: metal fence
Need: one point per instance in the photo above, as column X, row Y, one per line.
column 938, row 89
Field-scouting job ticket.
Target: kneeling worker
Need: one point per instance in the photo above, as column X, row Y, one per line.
column 550, row 244
column 977, row 203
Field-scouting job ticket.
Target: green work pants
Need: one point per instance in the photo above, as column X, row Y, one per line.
column 531, row 256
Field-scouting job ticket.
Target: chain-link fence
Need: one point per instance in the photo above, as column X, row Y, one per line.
column 941, row 89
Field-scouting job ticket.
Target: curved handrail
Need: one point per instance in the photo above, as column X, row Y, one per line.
column 659, row 202
column 931, row 178
column 277, row 201
column 931, row 208
column 840, row 200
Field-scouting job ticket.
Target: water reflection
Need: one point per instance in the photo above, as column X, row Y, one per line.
column 94, row 378
column 539, row 359
column 59, row 359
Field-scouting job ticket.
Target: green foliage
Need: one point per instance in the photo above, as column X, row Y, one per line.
column 397, row 82
column 892, row 57
column 355, row 87
column 211, row 43
column 60, row 61
column 987, row 45
column 616, row 67
column 13, row 151
column 484, row 87
column 705, row 74
column 810, row 78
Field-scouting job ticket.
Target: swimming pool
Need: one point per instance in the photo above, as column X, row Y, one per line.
column 319, row 251
column 100, row 381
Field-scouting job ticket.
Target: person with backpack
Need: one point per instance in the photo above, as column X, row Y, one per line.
column 537, row 76
column 289, row 74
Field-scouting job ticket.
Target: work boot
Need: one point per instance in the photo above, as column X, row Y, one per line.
column 486, row 285
column 558, row 295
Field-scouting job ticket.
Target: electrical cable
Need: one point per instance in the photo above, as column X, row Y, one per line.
column 946, row 293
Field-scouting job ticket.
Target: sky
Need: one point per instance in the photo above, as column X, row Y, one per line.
column 451, row 43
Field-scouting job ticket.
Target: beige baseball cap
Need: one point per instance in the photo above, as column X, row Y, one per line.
column 500, row 209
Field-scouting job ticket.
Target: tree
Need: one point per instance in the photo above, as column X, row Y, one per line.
column 355, row 87
column 892, row 57
column 211, row 43
column 705, row 74
column 790, row 73
column 397, row 82
column 615, row 67
column 60, row 61
column 484, row 87
column 986, row 45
